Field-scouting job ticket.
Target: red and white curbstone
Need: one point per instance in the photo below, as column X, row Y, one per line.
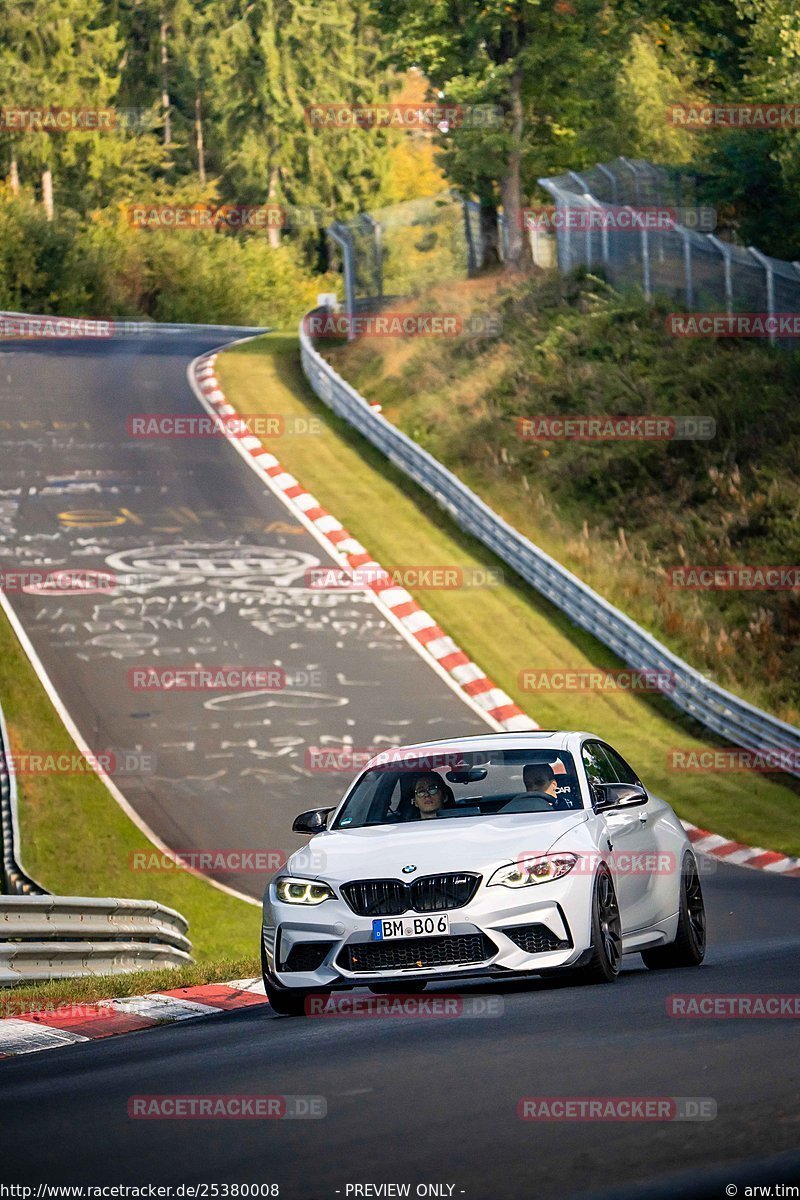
column 494, row 703
column 716, row 846
column 64, row 1024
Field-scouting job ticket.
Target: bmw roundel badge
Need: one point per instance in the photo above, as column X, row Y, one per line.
column 409, row 868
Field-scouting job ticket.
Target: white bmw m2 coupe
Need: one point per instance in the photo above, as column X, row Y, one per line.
column 500, row 855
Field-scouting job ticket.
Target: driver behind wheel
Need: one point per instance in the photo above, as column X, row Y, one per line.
column 541, row 778
column 430, row 795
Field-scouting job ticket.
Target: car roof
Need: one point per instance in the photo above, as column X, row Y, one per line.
column 529, row 739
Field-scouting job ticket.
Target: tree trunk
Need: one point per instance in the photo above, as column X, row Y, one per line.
column 47, row 192
column 511, row 184
column 273, row 232
column 198, row 134
column 162, row 34
column 13, row 175
column 489, row 238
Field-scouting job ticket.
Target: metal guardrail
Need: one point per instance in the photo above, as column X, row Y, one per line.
column 57, row 937
column 108, row 327
column 105, row 919
column 742, row 724
column 15, row 878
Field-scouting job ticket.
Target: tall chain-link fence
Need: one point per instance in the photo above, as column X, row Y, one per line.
column 403, row 249
column 640, row 224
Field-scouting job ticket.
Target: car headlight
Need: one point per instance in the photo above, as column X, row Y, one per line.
column 527, row 871
column 302, row 891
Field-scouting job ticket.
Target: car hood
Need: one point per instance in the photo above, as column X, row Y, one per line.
column 458, row 844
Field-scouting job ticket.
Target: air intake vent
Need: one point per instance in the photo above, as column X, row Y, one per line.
column 419, row 953
column 536, row 939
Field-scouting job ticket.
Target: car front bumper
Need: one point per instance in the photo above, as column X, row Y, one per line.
column 331, row 946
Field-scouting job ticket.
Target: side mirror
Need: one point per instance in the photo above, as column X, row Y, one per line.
column 313, row 821
column 617, row 795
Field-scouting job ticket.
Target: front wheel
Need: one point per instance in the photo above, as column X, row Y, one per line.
column 606, row 951
column 689, row 947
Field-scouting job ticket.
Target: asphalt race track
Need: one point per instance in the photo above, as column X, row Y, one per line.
column 434, row 1100
column 418, row 1101
column 209, row 569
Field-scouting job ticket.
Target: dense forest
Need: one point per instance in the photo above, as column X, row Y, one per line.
column 206, row 103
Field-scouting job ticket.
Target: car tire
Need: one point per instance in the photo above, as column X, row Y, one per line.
column 397, row 989
column 606, row 949
column 286, row 1002
column 689, row 947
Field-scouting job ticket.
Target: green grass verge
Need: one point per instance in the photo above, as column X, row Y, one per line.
column 89, row 988
column 504, row 628
column 77, row 841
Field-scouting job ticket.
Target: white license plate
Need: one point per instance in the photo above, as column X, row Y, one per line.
column 386, row 928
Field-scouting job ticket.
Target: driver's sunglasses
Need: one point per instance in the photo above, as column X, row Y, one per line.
column 429, row 791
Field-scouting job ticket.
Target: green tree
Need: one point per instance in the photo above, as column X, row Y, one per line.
column 541, row 63
column 269, row 61
column 59, row 54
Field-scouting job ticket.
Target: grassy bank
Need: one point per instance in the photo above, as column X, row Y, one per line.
column 76, row 839
column 505, row 628
column 87, row 989
column 620, row 514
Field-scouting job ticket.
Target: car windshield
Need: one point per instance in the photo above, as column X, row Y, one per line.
column 428, row 786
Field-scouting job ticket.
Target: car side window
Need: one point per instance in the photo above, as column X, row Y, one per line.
column 624, row 773
column 598, row 767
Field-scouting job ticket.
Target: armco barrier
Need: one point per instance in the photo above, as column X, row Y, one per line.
column 55, row 937
column 116, row 328
column 13, row 878
column 735, row 720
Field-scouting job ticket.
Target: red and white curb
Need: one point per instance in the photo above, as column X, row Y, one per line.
column 716, row 846
column 64, row 1024
column 477, row 688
